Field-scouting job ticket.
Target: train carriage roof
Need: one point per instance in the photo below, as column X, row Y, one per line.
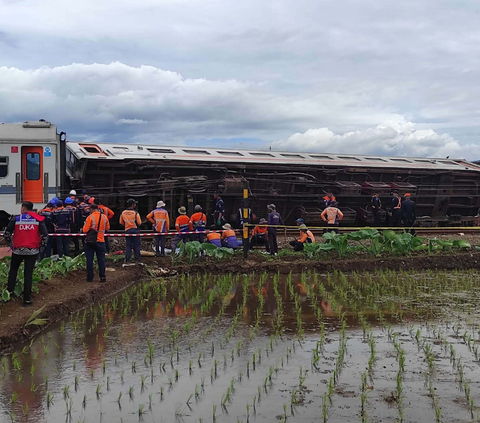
column 114, row 151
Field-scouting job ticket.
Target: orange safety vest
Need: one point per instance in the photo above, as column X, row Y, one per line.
column 160, row 219
column 130, row 219
column 92, row 223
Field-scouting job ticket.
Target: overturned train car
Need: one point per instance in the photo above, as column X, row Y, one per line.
column 446, row 191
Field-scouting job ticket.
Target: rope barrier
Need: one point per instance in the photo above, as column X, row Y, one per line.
column 344, row 228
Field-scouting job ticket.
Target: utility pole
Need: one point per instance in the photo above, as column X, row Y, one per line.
column 245, row 219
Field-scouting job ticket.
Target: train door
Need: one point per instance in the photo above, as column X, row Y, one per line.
column 32, row 171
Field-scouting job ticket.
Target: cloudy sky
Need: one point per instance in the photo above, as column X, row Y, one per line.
column 370, row 76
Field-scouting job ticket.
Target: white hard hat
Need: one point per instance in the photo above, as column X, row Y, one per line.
column 73, row 192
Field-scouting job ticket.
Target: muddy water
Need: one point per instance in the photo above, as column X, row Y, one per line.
column 258, row 349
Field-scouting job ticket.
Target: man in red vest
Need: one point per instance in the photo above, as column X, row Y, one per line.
column 27, row 235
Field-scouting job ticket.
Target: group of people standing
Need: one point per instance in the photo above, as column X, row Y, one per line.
column 400, row 213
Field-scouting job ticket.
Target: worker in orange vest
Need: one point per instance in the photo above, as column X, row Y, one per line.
column 182, row 224
column 98, row 222
column 306, row 236
column 229, row 239
column 214, row 238
column 259, row 235
column 198, row 222
column 161, row 223
column 328, row 199
column 109, row 215
column 132, row 221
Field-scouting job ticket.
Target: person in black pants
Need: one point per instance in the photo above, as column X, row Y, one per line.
column 27, row 235
column 98, row 222
column 408, row 213
column 376, row 205
column 396, row 210
column 274, row 219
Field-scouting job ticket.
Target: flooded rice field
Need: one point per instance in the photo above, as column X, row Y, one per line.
column 259, row 348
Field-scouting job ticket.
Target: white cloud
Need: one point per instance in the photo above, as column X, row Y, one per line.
column 395, row 138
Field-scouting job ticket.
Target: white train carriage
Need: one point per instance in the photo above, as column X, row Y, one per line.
column 30, row 165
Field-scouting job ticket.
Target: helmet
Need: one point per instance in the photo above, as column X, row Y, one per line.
column 68, row 200
column 131, row 202
column 73, row 192
column 54, row 201
column 91, row 200
column 198, row 208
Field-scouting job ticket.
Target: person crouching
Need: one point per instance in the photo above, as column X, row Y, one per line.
column 259, row 236
column 229, row 239
column 306, row 236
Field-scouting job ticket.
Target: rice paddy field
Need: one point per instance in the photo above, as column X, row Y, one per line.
column 259, row 348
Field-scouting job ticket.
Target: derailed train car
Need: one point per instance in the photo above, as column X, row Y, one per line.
column 446, row 190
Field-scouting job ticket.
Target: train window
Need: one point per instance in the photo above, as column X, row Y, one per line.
column 292, row 155
column 204, row 152
column 161, row 150
column 375, row 159
column 261, row 154
column 93, row 149
column 349, row 158
column 317, row 156
column 33, row 166
column 3, row 167
column 401, row 160
column 230, row 153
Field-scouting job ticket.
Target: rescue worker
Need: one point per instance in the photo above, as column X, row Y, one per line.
column 396, row 210
column 332, row 215
column 219, row 215
column 214, row 238
column 198, row 222
column 229, row 239
column 27, row 236
column 62, row 220
column 73, row 196
column 241, row 219
column 274, row 219
column 109, row 215
column 75, row 224
column 376, row 205
column 259, row 236
column 408, row 211
column 99, row 222
column 306, row 236
column 47, row 213
column 182, row 224
column 84, row 209
column 328, row 199
column 161, row 223
column 132, row 221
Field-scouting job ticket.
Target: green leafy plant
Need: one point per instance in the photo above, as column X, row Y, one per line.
column 35, row 320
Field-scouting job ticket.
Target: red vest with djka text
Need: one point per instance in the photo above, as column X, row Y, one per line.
column 27, row 234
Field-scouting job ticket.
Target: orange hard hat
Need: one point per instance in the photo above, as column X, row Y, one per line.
column 91, row 200
column 407, row 194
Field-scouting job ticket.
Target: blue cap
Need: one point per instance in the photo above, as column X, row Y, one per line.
column 59, row 203
column 68, row 200
column 300, row 220
column 54, row 201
